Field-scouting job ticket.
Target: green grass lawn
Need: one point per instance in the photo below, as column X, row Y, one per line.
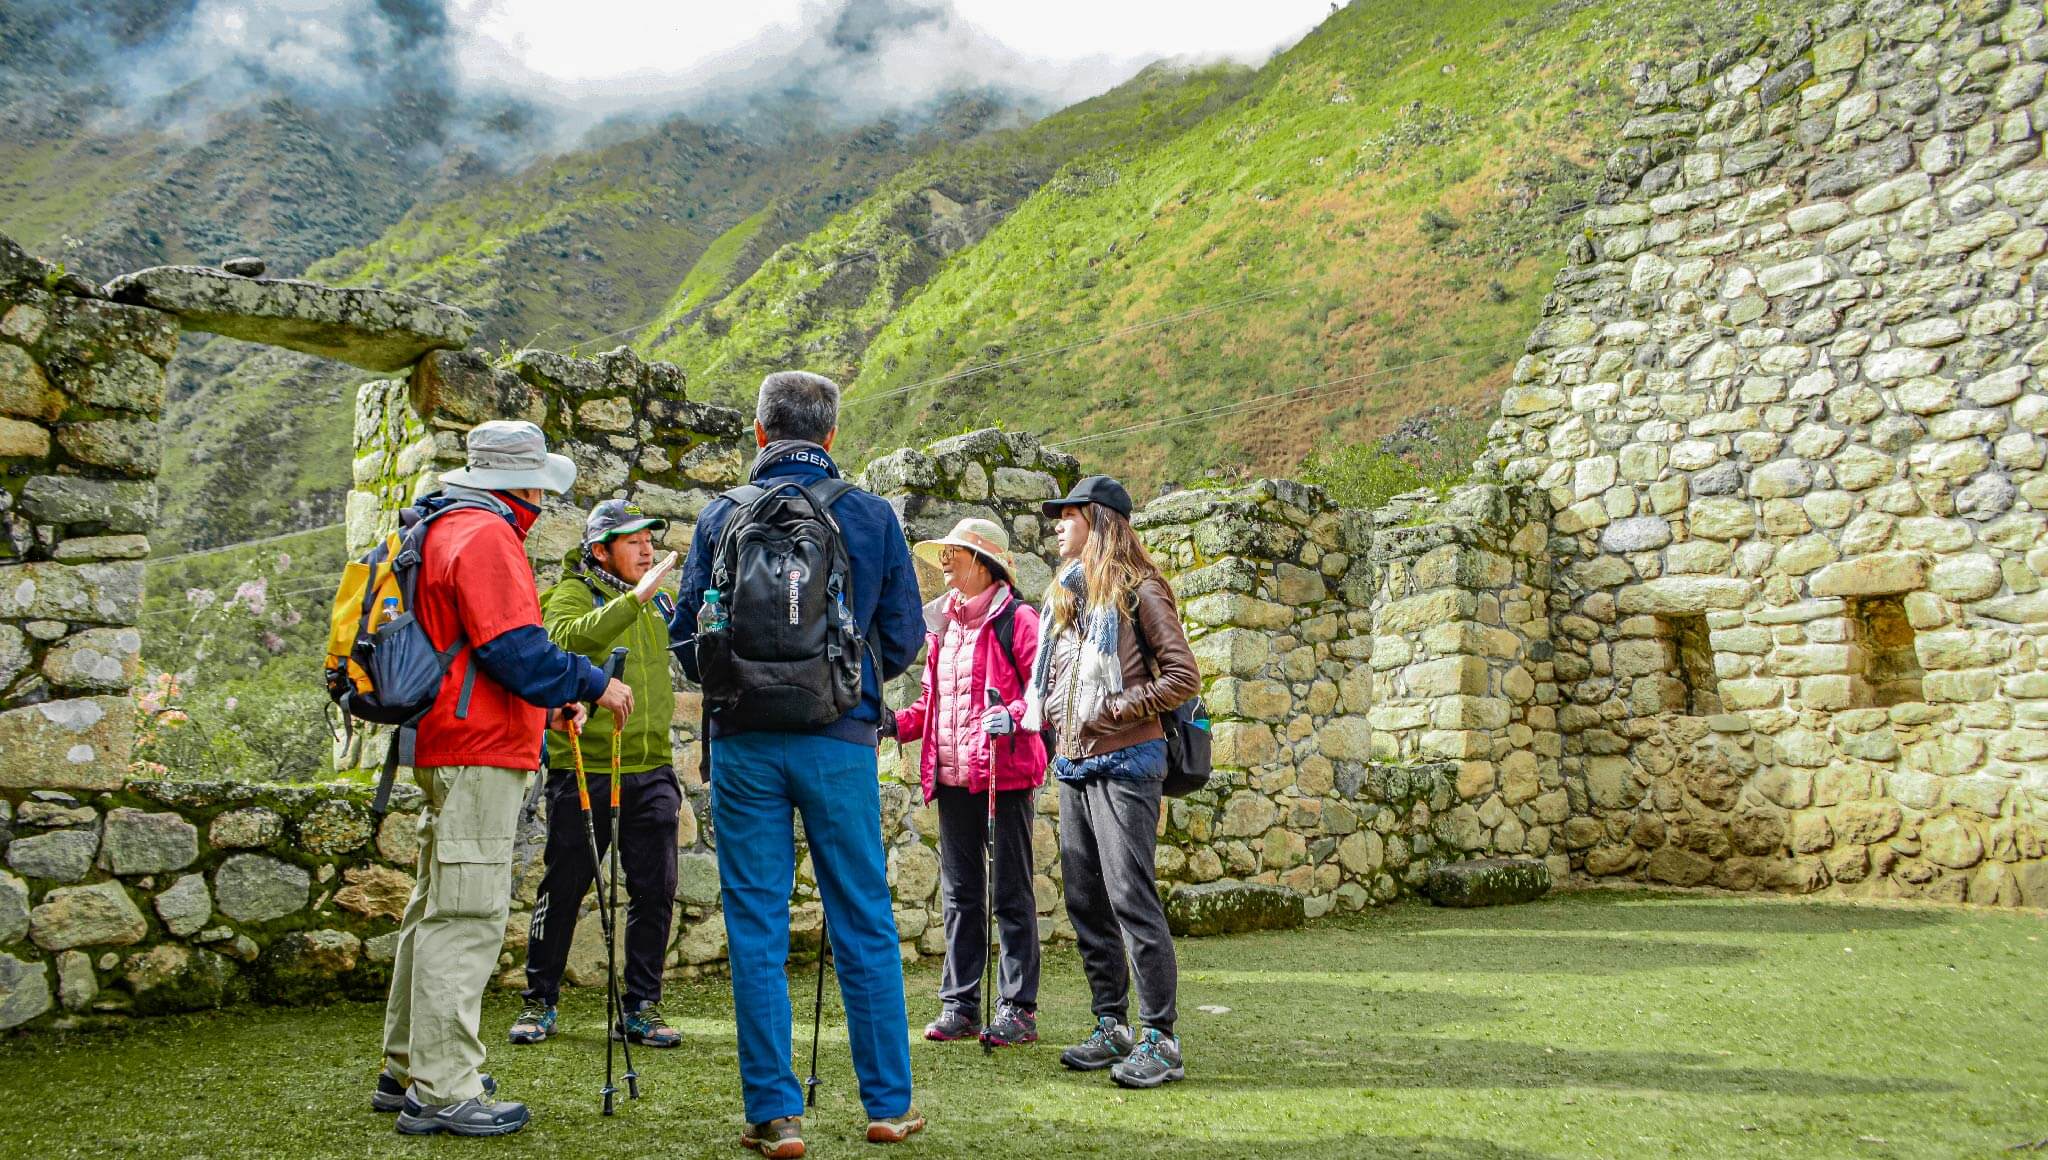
column 1600, row 1025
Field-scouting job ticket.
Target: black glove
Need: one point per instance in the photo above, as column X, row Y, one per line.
column 887, row 727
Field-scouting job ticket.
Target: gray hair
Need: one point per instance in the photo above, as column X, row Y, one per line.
column 798, row 405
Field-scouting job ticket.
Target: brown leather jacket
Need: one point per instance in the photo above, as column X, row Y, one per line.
column 1132, row 716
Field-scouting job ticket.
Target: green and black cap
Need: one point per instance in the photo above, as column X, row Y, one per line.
column 617, row 517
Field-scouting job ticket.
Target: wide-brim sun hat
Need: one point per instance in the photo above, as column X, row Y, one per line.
column 985, row 538
column 509, row 454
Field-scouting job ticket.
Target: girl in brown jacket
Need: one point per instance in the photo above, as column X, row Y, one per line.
column 1112, row 657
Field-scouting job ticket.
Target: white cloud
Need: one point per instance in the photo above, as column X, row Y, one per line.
column 591, row 46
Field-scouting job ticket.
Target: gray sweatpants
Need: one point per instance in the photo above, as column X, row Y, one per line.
column 963, row 840
column 1107, row 830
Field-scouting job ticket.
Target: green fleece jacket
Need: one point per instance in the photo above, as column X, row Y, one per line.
column 585, row 614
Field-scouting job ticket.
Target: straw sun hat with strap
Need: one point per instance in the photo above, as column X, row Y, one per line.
column 985, row 538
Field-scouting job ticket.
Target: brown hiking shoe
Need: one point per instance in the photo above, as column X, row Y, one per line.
column 778, row 1139
column 895, row 1129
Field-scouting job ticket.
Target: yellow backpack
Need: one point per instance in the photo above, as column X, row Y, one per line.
column 381, row 665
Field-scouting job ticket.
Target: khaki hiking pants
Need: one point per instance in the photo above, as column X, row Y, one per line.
column 453, row 929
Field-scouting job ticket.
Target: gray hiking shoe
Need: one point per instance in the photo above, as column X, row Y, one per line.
column 1156, row 1060
column 950, row 1025
column 1110, row 1043
column 482, row 1116
column 391, row 1096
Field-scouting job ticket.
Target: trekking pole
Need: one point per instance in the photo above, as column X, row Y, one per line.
column 988, row 896
column 818, row 1010
column 611, row 962
column 612, row 1015
column 604, row 920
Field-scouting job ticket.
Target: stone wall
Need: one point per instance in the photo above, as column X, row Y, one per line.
column 1786, row 404
column 1461, row 671
column 173, row 896
column 81, row 386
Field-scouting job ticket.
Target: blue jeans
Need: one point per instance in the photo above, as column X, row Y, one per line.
column 759, row 780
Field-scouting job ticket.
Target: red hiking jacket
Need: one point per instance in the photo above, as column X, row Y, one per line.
column 475, row 579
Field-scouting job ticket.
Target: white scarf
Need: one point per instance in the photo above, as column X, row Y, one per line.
column 1099, row 670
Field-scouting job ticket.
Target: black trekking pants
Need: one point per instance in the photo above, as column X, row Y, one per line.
column 649, row 802
column 963, row 850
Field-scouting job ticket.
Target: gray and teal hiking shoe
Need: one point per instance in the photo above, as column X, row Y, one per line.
column 1110, row 1043
column 535, row 1024
column 481, row 1116
column 1156, row 1060
column 647, row 1026
column 950, row 1025
column 1014, row 1027
column 392, row 1096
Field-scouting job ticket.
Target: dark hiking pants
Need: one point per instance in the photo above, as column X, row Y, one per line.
column 649, row 802
column 963, row 845
column 1107, row 829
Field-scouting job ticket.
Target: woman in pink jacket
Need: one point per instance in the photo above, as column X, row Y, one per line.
column 981, row 643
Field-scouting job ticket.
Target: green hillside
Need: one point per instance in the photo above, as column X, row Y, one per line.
column 818, row 301
column 1386, row 206
column 577, row 250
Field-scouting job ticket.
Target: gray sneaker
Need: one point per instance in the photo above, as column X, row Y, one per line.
column 1156, row 1060
column 390, row 1097
column 1110, row 1043
column 482, row 1116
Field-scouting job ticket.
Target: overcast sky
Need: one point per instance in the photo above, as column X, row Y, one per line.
column 587, row 46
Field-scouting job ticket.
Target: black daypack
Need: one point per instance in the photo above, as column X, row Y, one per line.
column 1186, row 726
column 789, row 655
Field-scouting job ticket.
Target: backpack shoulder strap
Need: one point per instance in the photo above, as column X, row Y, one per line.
column 829, row 491
column 744, row 494
column 1005, row 628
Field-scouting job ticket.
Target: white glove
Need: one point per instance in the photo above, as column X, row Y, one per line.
column 996, row 722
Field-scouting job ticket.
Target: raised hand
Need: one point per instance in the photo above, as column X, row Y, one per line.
column 644, row 591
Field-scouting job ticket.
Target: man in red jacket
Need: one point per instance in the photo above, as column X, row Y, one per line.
column 475, row 749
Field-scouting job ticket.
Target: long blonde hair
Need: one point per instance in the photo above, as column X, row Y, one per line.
column 1114, row 563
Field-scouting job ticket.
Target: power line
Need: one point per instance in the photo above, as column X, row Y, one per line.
column 1151, row 324
column 1254, row 403
column 243, row 544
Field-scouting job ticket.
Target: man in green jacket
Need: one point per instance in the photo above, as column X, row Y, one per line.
column 612, row 598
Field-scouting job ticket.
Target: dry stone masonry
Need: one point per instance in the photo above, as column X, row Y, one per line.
column 1748, row 590
column 1787, row 409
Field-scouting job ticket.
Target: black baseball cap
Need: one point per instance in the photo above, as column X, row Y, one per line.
column 1093, row 489
column 617, row 517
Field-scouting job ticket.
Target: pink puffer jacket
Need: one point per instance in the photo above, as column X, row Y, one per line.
column 1018, row 759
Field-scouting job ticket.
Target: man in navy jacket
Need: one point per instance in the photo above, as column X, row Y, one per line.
column 760, row 780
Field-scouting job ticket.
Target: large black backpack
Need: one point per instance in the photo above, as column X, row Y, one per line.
column 789, row 654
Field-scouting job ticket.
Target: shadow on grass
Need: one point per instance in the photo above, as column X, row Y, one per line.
column 1640, row 913
column 1368, row 1061
column 1360, row 951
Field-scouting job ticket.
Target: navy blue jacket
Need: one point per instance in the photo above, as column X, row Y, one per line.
column 884, row 599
